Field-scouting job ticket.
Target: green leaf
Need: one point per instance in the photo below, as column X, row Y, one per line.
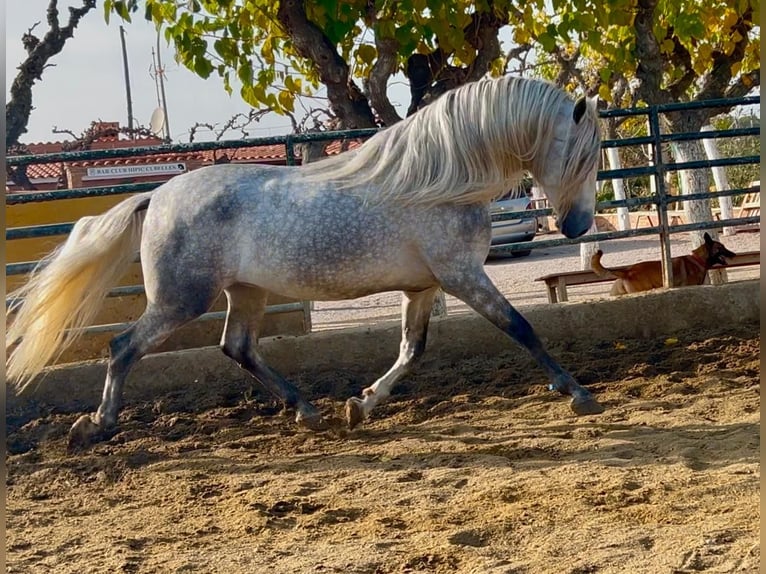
column 248, row 94
column 267, row 50
column 245, row 71
column 226, row 48
column 271, row 102
column 366, row 53
column 121, row 8
column 202, row 67
column 287, row 100
column 547, row 41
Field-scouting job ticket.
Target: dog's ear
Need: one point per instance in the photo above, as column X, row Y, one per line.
column 707, row 238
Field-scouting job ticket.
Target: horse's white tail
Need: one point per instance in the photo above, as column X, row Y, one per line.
column 63, row 294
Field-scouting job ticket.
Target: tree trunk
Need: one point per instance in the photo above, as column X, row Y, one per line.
column 345, row 97
column 696, row 181
column 623, row 216
column 721, row 181
column 311, row 151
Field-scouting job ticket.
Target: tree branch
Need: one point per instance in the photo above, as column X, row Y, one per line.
column 681, row 58
column 515, row 53
column 19, row 108
column 311, row 43
column 718, row 80
column 568, row 68
column 377, row 85
column 650, row 64
column 236, row 122
column 430, row 75
column 744, row 84
column 384, row 67
column 717, row 83
column 97, row 131
column 481, row 34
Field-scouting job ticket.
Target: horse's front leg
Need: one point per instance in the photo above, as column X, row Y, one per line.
column 477, row 290
column 240, row 342
column 416, row 312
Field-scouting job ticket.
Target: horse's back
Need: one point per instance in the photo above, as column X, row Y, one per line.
column 265, row 226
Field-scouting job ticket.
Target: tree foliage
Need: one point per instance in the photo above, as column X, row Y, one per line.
column 627, row 51
column 653, row 51
column 280, row 50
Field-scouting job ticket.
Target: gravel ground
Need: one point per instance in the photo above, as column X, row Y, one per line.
column 516, row 277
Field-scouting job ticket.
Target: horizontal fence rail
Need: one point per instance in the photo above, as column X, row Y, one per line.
column 660, row 200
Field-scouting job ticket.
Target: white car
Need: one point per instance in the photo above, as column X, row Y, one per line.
column 523, row 228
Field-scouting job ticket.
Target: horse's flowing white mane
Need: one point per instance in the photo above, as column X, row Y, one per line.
column 471, row 145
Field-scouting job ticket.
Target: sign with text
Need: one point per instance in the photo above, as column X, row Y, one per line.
column 115, row 171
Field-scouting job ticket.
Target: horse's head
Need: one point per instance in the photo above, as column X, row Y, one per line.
column 566, row 171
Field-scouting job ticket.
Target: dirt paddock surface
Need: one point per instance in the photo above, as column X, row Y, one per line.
column 472, row 466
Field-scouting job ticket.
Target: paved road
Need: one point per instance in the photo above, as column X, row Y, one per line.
column 515, row 277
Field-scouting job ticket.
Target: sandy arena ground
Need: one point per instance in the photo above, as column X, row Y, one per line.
column 471, row 467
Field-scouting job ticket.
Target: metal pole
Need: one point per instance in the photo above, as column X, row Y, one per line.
column 289, row 150
column 161, row 74
column 127, row 80
column 662, row 198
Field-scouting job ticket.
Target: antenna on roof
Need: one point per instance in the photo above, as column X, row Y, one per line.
column 158, row 73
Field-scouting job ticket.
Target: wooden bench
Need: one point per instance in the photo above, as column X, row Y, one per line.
column 751, row 207
column 556, row 283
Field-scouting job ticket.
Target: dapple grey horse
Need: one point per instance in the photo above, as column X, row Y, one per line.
column 408, row 210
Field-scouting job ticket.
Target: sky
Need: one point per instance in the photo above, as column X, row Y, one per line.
column 87, row 82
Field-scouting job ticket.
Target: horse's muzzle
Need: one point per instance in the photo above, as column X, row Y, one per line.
column 575, row 223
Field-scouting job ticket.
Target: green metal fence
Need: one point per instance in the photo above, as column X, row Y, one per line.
column 661, row 199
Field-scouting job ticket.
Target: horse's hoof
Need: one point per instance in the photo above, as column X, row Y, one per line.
column 83, row 433
column 586, row 406
column 354, row 412
column 314, row 422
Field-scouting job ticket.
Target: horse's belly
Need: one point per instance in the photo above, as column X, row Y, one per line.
column 339, row 279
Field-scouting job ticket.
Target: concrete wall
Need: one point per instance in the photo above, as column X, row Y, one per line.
column 455, row 337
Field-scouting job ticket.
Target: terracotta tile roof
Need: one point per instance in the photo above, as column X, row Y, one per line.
column 255, row 153
column 44, row 170
column 252, row 154
column 104, row 142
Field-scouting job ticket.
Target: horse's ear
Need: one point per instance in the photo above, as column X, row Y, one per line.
column 707, row 238
column 579, row 109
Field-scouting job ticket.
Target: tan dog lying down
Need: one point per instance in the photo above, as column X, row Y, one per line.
column 646, row 275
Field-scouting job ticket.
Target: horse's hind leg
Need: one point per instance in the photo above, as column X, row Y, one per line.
column 240, row 342
column 416, row 312
column 125, row 350
column 477, row 290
